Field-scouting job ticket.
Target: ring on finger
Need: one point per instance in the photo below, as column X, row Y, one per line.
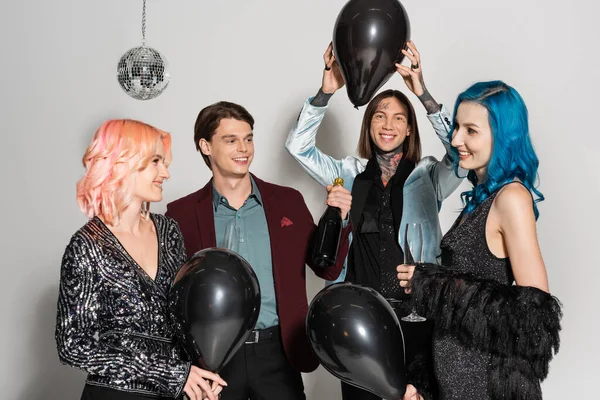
column 414, row 66
column 327, row 68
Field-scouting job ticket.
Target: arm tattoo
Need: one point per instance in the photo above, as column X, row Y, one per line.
column 429, row 103
column 321, row 99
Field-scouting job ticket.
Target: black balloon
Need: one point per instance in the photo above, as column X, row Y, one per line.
column 357, row 337
column 368, row 39
column 214, row 306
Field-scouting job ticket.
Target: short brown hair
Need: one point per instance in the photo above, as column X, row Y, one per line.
column 210, row 117
column 412, row 144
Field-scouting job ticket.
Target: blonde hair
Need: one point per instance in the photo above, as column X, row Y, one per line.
column 118, row 149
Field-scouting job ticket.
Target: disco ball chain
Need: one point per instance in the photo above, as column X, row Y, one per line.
column 144, row 23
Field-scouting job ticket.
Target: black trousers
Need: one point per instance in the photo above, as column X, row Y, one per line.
column 261, row 371
column 417, row 342
column 91, row 392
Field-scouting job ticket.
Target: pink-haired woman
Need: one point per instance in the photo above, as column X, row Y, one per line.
column 112, row 317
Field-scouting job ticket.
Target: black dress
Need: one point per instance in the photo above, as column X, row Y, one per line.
column 462, row 372
column 492, row 339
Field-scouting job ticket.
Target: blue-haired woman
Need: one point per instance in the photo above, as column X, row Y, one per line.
column 496, row 325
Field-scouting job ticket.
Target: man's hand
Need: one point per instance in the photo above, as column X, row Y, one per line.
column 332, row 75
column 339, row 197
column 413, row 75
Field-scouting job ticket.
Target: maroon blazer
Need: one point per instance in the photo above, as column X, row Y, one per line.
column 291, row 228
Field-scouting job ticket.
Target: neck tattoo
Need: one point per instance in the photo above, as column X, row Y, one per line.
column 388, row 163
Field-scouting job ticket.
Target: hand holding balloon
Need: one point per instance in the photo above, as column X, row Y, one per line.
column 332, row 76
column 197, row 388
column 413, row 75
column 411, row 393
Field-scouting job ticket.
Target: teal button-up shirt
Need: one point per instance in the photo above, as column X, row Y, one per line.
column 252, row 241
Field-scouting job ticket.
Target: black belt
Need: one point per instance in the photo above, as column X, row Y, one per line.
column 259, row 335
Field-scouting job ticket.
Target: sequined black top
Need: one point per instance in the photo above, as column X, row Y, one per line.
column 465, row 249
column 112, row 318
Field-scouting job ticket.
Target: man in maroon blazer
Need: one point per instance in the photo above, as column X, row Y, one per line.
column 273, row 230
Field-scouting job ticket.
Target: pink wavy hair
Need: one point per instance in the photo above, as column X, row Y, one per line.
column 118, row 149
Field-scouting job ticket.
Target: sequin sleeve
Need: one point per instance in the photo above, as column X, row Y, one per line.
column 179, row 245
column 77, row 328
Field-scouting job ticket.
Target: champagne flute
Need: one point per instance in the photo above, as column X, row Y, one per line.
column 413, row 253
column 231, row 239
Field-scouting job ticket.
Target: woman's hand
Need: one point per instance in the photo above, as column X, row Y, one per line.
column 197, row 386
column 332, row 75
column 216, row 389
column 405, row 274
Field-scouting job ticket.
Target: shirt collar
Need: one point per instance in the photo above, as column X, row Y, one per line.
column 218, row 198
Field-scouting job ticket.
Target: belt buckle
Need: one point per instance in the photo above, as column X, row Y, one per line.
column 253, row 340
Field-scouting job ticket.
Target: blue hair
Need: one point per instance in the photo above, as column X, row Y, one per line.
column 513, row 155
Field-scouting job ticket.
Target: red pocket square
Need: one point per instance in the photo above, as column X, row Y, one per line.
column 285, row 221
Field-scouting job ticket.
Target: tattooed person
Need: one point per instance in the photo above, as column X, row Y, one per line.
column 391, row 186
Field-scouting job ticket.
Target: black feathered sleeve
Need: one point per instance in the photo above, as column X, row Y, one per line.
column 519, row 326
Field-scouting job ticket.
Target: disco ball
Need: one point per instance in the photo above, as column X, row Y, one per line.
column 143, row 73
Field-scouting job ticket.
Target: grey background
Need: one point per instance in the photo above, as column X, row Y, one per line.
column 58, row 84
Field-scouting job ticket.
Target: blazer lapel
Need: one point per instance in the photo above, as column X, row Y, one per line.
column 273, row 217
column 205, row 217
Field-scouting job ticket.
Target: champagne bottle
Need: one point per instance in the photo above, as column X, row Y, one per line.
column 329, row 232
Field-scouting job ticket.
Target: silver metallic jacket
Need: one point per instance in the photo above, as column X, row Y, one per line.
column 112, row 318
column 424, row 190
